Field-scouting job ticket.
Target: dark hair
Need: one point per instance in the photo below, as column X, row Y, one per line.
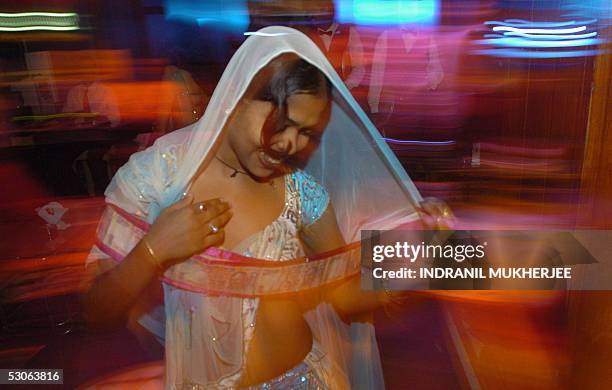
column 284, row 76
column 290, row 77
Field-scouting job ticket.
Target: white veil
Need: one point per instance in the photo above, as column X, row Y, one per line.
column 368, row 187
column 353, row 162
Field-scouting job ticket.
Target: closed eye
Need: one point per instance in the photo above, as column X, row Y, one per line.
column 305, row 131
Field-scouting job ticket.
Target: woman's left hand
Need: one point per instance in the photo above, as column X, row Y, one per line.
column 436, row 214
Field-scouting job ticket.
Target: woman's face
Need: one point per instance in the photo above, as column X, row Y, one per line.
column 307, row 116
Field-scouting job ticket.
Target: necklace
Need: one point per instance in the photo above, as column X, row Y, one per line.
column 236, row 171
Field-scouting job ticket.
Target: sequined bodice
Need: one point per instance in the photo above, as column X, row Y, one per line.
column 209, row 336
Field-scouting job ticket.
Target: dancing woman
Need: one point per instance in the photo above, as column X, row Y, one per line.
column 245, row 216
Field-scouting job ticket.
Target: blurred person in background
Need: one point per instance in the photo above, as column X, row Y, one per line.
column 405, row 66
column 342, row 45
column 186, row 104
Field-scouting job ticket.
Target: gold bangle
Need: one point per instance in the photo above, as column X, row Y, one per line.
column 152, row 255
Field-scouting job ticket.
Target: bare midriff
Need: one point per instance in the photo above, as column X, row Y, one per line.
column 281, row 340
column 281, row 336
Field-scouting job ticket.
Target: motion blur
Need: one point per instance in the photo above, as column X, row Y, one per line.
column 500, row 108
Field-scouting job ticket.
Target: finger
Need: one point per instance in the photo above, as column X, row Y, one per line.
column 216, row 224
column 428, row 220
column 435, row 205
column 429, row 208
column 215, row 239
column 221, row 220
column 201, row 207
column 446, row 211
column 187, row 200
column 212, row 211
column 444, row 215
column 208, row 204
column 213, row 202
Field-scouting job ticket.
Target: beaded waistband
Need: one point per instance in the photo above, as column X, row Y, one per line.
column 301, row 377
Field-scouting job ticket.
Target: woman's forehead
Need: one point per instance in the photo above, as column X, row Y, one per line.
column 306, row 110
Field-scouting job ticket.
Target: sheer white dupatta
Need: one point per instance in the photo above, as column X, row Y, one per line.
column 368, row 187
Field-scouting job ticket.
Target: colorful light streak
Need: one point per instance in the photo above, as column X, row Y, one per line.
column 526, row 23
column 527, row 35
column 27, row 14
column 517, row 53
column 41, row 21
column 56, row 116
column 390, row 12
column 520, row 42
column 544, row 36
column 540, row 30
column 263, row 34
column 224, row 15
column 38, row 28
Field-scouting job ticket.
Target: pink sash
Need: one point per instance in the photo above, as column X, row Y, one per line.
column 221, row 272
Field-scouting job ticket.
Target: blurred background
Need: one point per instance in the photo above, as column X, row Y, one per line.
column 498, row 107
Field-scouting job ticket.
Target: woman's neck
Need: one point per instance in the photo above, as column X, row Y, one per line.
column 226, row 152
column 227, row 162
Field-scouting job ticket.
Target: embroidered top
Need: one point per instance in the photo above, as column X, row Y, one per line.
column 220, row 327
column 206, row 337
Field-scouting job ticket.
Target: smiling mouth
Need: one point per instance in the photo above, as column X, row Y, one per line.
column 269, row 160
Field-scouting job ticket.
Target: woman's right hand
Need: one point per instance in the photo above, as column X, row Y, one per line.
column 187, row 228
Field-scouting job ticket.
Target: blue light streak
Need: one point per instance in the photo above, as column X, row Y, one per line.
column 389, row 12
column 517, row 53
column 526, row 23
column 543, row 36
column 540, row 30
column 520, row 42
column 224, row 15
column 527, row 35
